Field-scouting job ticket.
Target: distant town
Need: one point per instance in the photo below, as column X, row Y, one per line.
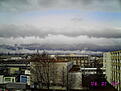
column 60, row 45
column 67, row 72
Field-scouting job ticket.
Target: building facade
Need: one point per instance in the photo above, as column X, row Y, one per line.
column 81, row 60
column 11, row 71
column 107, row 65
column 116, row 68
column 112, row 64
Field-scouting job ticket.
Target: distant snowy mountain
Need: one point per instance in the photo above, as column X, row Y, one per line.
column 53, row 49
column 32, row 48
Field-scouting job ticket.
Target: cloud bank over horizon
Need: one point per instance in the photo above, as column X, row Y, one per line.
column 91, row 24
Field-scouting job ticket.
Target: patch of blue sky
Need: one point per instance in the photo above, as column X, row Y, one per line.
column 50, row 12
column 105, row 16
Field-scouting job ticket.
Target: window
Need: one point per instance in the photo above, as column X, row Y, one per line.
column 12, row 79
column 8, row 79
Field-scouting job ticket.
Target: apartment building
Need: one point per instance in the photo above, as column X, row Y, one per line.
column 81, row 60
column 14, row 73
column 112, row 65
column 75, row 78
column 116, row 68
column 107, row 66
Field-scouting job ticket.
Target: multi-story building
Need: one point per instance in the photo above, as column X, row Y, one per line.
column 12, row 71
column 107, row 65
column 81, row 60
column 116, row 68
column 75, row 78
column 53, row 73
column 63, row 74
column 96, row 61
column 112, row 64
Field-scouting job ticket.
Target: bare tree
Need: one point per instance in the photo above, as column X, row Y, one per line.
column 64, row 73
column 43, row 70
column 47, row 72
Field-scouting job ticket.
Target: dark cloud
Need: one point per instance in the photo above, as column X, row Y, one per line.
column 64, row 42
column 21, row 31
column 85, row 2
column 26, row 5
column 26, row 30
column 77, row 19
column 47, row 3
column 14, row 5
column 97, row 38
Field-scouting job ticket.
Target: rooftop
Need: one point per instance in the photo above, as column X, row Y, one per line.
column 75, row 68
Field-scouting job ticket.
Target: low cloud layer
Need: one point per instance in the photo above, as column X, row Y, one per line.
column 61, row 41
column 24, row 31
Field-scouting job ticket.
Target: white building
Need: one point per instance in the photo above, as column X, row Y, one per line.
column 1, row 79
column 107, row 65
column 9, row 79
column 112, row 65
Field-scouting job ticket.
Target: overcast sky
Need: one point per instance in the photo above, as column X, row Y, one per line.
column 61, row 22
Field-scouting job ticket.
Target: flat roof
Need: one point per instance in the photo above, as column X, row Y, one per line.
column 75, row 68
column 72, row 55
column 90, row 68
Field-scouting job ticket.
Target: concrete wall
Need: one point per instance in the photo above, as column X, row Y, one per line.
column 75, row 80
column 1, row 79
column 107, row 65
